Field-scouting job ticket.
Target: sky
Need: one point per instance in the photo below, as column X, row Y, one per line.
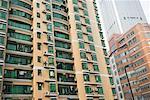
column 146, row 7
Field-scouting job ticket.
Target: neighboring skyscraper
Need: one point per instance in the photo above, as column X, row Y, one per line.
column 53, row 50
column 131, row 53
column 120, row 15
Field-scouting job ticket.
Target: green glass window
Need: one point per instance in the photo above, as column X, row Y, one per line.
column 88, row 89
column 40, row 86
column 81, row 45
column 60, row 25
column 100, row 90
column 38, row 15
column 52, row 87
column 75, row 1
column 50, row 61
column 39, row 46
column 39, row 35
column 103, row 43
column 113, row 91
column 1, row 54
column 98, row 79
column 1, row 71
column 88, row 29
column 83, row 55
column 90, row 38
column 109, row 70
column 38, row 25
column 94, row 58
column 61, row 35
column 39, row 58
column 86, row 77
column 51, row 74
column 50, row 49
column 21, row 4
column 62, row 44
column 107, row 60
column 87, row 21
column 1, row 40
column 96, row 68
column 105, row 52
column 84, row 5
column 2, row 27
column 92, row 47
column 111, row 80
column 20, row 13
column 37, row 5
column 49, row 27
column 77, row 17
column 3, row 15
column 85, row 12
column 3, row 4
column 59, row 16
column 78, row 26
column 84, row 66
column 76, row 9
column 48, row 7
column 80, row 36
column 20, row 36
column 48, row 16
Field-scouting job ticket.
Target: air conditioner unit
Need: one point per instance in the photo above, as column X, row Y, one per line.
column 31, row 89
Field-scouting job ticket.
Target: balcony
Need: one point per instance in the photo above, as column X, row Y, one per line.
column 65, row 66
column 67, row 90
column 66, row 78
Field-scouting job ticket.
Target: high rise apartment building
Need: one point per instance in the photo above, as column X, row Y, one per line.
column 120, row 15
column 131, row 53
column 53, row 50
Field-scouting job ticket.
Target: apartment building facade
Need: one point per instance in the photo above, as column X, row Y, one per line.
column 53, row 50
column 131, row 53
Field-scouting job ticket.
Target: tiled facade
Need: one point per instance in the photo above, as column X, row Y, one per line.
column 53, row 50
column 131, row 53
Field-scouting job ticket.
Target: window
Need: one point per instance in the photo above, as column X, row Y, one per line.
column 84, row 5
column 50, row 61
column 84, row 66
column 1, row 40
column 94, row 58
column 1, row 54
column 81, row 45
column 38, row 25
column 113, row 91
column 77, row 17
column 90, row 38
column 80, row 36
column 111, row 80
column 61, row 35
column 38, row 59
column 49, row 27
column 3, row 4
column 51, row 74
column 88, row 29
column 2, row 27
column 39, row 72
column 92, row 47
column 37, row 5
column 52, row 87
column 75, row 1
column 98, row 79
column 78, row 26
column 38, row 15
column 48, row 17
column 83, row 55
column 39, row 46
column 50, row 49
column 1, row 70
column 85, row 12
column 100, row 90
column 39, row 86
column 76, row 9
column 86, row 77
column 3, row 15
column 88, row 89
column 87, row 21
column 48, row 7
column 96, row 68
column 39, row 35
